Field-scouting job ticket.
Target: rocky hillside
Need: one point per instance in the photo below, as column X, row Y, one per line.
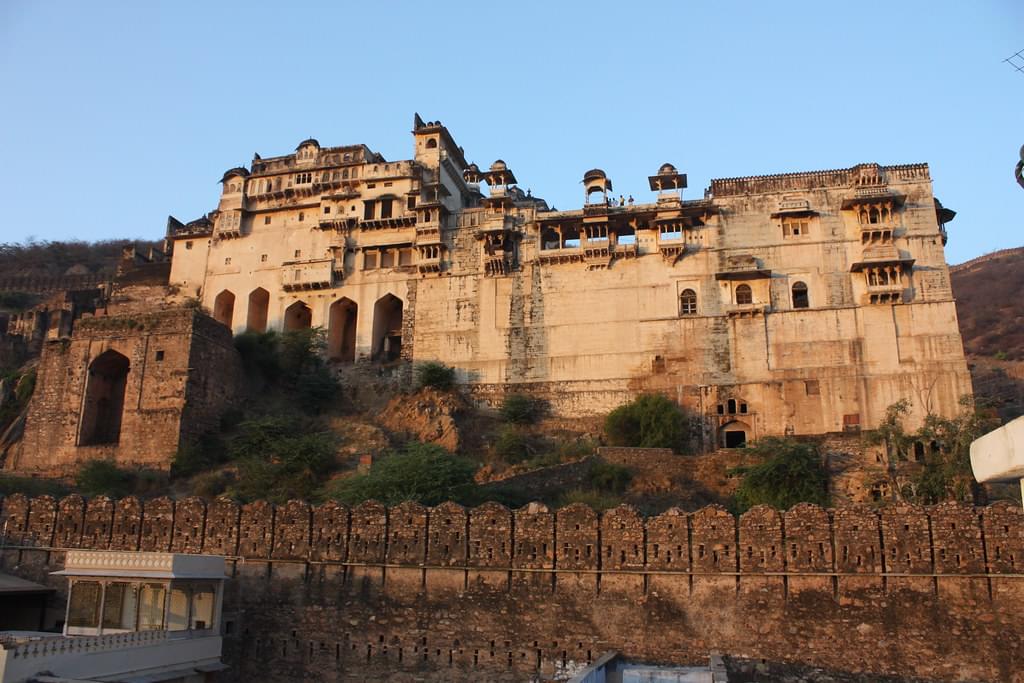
column 991, row 312
column 989, row 304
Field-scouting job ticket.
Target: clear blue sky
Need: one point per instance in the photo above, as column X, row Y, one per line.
column 117, row 114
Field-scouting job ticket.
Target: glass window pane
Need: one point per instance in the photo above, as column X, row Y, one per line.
column 151, row 607
column 84, row 606
column 119, row 606
column 202, row 607
column 177, row 610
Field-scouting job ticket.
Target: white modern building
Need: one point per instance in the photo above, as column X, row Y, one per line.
column 132, row 617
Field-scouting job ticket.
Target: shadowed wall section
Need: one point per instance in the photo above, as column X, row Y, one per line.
column 446, row 593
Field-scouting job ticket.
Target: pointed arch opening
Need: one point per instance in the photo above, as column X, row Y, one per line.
column 259, row 305
column 341, row 331
column 224, row 307
column 387, row 329
column 298, row 316
column 104, row 399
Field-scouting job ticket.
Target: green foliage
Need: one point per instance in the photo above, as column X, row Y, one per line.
column 435, row 375
column 259, row 354
column 947, row 474
column 521, row 409
column 208, row 452
column 425, row 473
column 790, row 472
column 104, row 478
column 609, row 477
column 512, row 445
column 649, row 421
column 12, row 406
column 280, row 458
column 293, row 360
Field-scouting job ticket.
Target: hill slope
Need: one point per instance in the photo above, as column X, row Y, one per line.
column 991, row 312
column 989, row 304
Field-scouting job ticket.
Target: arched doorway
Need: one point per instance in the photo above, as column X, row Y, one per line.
column 104, row 400
column 259, row 304
column 733, row 434
column 341, row 331
column 387, row 329
column 298, row 316
column 224, row 307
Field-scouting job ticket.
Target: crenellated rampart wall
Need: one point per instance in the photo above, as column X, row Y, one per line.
column 331, row 593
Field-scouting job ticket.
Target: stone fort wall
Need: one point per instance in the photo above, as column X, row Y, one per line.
column 447, row 593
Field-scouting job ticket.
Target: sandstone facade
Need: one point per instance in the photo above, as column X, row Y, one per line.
column 802, row 303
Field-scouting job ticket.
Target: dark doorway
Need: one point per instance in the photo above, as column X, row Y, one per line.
column 104, row 400
column 387, row 329
column 735, row 439
column 341, row 331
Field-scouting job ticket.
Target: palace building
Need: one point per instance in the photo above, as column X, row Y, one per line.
column 799, row 303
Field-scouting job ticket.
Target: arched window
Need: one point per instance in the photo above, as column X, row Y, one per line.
column 744, row 295
column 873, row 216
column 688, row 302
column 432, row 143
column 800, row 299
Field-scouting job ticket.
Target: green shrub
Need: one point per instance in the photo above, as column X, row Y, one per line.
column 609, row 477
column 790, row 472
column 259, row 354
column 649, row 421
column 512, row 445
column 104, row 478
column 207, row 452
column 315, row 389
column 435, row 375
column 521, row 409
column 425, row 473
column 289, row 467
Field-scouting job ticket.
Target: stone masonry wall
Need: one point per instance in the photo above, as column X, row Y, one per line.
column 183, row 372
column 326, row 593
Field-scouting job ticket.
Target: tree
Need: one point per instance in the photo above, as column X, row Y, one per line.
column 790, row 472
column 425, row 473
column 280, row 458
column 649, row 421
column 521, row 409
column 947, row 466
column 435, row 375
column 896, row 443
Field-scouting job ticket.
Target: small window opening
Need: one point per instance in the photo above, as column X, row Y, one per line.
column 744, row 295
